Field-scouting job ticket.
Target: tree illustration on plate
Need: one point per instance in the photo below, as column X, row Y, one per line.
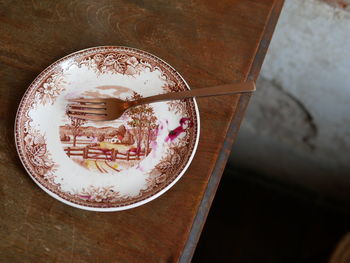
column 75, row 125
column 144, row 123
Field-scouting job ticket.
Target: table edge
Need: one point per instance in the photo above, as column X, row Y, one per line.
column 208, row 197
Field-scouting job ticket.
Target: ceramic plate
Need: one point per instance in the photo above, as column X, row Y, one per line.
column 114, row 165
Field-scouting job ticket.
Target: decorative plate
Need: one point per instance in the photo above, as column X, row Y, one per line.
column 114, row 165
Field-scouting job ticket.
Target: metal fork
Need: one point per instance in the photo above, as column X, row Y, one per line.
column 111, row 108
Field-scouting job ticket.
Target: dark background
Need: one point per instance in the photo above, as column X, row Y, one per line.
column 257, row 219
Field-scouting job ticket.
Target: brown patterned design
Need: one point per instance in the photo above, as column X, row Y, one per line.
column 114, row 63
column 37, row 154
column 50, row 89
column 118, row 60
column 99, row 194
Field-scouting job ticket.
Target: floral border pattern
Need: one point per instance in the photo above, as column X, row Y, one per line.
column 37, row 154
column 48, row 85
column 50, row 89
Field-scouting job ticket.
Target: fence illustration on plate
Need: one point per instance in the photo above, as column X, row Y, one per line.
column 116, row 146
column 96, row 153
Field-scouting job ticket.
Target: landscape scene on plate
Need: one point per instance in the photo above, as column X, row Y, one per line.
column 114, row 148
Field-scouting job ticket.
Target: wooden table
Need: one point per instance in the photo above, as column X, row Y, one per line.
column 208, row 42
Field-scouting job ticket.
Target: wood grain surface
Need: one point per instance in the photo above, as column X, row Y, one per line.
column 208, row 42
column 341, row 253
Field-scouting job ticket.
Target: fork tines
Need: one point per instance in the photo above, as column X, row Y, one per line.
column 87, row 109
column 87, row 100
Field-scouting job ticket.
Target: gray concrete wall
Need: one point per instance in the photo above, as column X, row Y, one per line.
column 297, row 127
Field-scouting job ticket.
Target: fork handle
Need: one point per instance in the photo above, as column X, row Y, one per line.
column 226, row 89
